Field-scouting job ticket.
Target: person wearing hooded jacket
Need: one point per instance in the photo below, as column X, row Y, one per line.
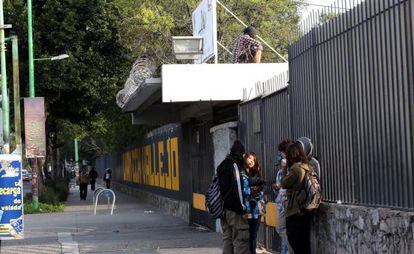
column 233, row 222
column 308, row 149
column 297, row 219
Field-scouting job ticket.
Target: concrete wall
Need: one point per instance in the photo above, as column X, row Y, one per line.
column 359, row 229
column 174, row 207
column 224, row 136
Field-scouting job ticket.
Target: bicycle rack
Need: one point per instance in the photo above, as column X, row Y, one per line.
column 95, row 193
column 108, row 191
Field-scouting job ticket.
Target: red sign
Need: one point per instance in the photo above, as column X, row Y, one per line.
column 34, row 126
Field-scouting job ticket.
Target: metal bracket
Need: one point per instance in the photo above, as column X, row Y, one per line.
column 6, row 26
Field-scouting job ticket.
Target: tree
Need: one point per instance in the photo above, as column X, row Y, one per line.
column 148, row 25
column 80, row 91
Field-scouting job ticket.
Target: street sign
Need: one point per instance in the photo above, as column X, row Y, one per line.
column 34, row 126
column 205, row 25
column 11, row 197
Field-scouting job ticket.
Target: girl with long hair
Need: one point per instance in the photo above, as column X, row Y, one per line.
column 254, row 201
column 297, row 220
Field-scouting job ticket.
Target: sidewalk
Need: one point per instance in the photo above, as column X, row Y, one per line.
column 134, row 228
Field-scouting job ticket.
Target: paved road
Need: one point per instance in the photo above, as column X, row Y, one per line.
column 134, row 228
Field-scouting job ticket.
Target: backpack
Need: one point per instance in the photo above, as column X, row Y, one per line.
column 310, row 196
column 214, row 202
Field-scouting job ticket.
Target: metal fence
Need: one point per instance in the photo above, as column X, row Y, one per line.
column 352, row 92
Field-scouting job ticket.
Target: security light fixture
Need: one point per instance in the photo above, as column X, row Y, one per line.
column 187, row 47
column 59, row 57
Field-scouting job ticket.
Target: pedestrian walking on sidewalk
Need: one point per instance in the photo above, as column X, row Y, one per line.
column 254, row 199
column 107, row 178
column 297, row 219
column 281, row 196
column 83, row 184
column 235, row 227
column 92, row 177
column 247, row 49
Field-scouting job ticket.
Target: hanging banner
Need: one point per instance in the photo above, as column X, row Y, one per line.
column 11, row 197
column 34, row 127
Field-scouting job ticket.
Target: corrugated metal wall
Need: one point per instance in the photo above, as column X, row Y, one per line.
column 353, row 76
column 250, row 126
column 274, row 125
column 352, row 92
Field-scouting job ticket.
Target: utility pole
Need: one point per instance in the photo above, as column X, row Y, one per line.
column 16, row 91
column 31, row 54
column 76, row 156
column 4, row 92
column 76, row 150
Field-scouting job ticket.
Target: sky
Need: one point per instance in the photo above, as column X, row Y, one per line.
column 307, row 10
column 310, row 8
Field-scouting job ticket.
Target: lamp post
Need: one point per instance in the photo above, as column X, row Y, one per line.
column 31, row 54
column 33, row 161
column 5, row 97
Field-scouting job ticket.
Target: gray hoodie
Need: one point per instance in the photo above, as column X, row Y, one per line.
column 308, row 148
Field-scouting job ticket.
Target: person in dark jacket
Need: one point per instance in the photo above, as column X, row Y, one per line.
column 233, row 222
column 107, row 177
column 92, row 177
column 83, row 184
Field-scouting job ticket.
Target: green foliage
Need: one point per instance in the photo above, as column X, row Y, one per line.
column 103, row 38
column 43, row 208
column 79, row 91
column 148, row 25
column 51, row 207
column 49, row 196
column 57, row 190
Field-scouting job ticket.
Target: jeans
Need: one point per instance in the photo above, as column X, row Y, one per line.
column 235, row 233
column 253, row 228
column 83, row 188
column 108, row 184
column 285, row 248
column 298, row 232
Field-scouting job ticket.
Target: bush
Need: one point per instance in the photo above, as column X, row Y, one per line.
column 57, row 190
column 62, row 189
column 43, row 208
column 49, row 196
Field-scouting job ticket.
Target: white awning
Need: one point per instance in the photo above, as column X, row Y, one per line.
column 214, row 82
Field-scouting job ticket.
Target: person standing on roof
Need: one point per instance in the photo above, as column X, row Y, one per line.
column 247, row 48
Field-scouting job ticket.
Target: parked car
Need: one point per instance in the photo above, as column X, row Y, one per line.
column 25, row 175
